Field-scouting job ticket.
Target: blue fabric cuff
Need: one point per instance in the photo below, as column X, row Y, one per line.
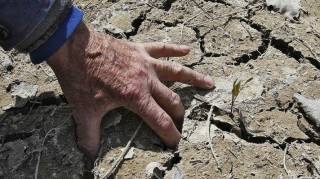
column 64, row 31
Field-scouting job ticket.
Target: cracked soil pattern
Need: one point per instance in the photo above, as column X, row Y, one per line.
column 230, row 39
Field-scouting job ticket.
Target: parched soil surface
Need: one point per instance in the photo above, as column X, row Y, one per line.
column 230, row 39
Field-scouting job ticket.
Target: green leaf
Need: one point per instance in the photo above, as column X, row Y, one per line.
column 248, row 80
column 234, row 83
column 236, row 88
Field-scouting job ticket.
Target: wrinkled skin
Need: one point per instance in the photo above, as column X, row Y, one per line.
column 98, row 73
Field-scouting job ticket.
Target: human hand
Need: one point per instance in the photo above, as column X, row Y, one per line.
column 98, row 73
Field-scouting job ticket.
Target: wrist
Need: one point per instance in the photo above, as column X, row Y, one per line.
column 72, row 50
column 59, row 37
column 80, row 49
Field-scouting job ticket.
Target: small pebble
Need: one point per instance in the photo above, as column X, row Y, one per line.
column 7, row 64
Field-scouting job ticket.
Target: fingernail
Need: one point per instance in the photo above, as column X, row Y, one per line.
column 209, row 82
column 185, row 47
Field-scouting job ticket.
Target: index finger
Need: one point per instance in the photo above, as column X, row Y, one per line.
column 172, row 71
column 159, row 49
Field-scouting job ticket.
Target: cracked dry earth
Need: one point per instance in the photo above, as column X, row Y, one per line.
column 230, row 40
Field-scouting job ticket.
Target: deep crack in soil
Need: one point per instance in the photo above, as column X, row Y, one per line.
column 240, row 151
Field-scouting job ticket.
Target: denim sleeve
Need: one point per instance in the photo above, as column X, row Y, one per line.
column 26, row 24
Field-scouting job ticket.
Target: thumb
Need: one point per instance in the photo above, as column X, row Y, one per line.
column 88, row 134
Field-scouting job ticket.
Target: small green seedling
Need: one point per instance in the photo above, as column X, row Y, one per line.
column 236, row 88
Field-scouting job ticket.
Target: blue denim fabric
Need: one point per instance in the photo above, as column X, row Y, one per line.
column 24, row 22
column 20, row 17
column 60, row 36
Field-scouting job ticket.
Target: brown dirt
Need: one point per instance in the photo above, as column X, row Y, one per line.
column 252, row 42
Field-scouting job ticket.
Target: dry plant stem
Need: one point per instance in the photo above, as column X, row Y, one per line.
column 181, row 33
column 227, row 15
column 198, row 5
column 245, row 28
column 242, row 10
column 200, row 98
column 316, row 168
column 315, row 31
column 232, row 103
column 304, row 43
column 209, row 137
column 44, row 70
column 121, row 157
column 98, row 159
column 156, row 176
column 29, row 112
column 150, row 5
column 284, row 159
column 40, row 152
column 184, row 23
column 54, row 111
column 233, row 100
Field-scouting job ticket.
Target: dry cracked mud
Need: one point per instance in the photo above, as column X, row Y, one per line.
column 230, row 40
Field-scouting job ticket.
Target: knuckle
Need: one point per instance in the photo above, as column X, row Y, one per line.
column 141, row 105
column 142, row 71
column 177, row 68
column 145, row 102
column 140, row 48
column 153, row 85
column 131, row 92
column 175, row 99
column 160, row 65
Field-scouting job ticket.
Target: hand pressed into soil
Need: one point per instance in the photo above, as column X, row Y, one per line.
column 98, row 73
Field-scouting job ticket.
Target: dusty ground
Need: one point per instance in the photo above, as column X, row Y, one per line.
column 231, row 40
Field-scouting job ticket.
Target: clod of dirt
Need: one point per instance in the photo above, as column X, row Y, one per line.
column 22, row 92
column 235, row 39
column 129, row 154
column 177, row 173
column 310, row 107
column 305, row 156
column 120, row 19
column 154, row 169
column 249, row 42
column 6, row 63
column 145, row 151
column 16, row 158
column 308, row 129
column 313, row 165
column 23, row 138
column 278, row 124
column 288, row 7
